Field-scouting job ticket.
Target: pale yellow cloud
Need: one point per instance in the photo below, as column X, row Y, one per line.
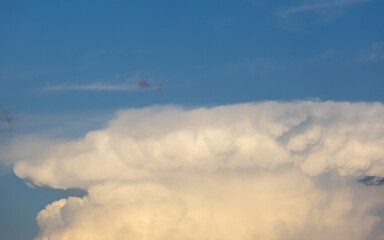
column 267, row 170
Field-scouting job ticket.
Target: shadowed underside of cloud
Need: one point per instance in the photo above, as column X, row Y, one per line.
column 250, row 171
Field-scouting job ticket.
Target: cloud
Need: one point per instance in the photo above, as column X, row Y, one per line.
column 143, row 84
column 265, row 170
column 375, row 53
column 372, row 180
column 5, row 121
column 98, row 86
column 93, row 87
column 320, row 5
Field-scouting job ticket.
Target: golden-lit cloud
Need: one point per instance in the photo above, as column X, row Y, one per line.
column 267, row 170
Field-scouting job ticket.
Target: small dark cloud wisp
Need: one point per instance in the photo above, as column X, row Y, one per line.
column 143, row 84
column 372, row 181
column 5, row 121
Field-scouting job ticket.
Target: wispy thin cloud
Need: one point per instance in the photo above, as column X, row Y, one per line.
column 375, row 53
column 143, row 84
column 255, row 67
column 93, row 87
column 5, row 121
column 99, row 86
column 318, row 6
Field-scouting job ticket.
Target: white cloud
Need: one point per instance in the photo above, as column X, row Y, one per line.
column 93, row 86
column 375, row 53
column 319, row 5
column 250, row 171
column 135, row 83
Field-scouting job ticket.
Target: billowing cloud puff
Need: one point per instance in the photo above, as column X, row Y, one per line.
column 249, row 171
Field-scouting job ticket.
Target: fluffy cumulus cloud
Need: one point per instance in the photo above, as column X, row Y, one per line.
column 265, row 170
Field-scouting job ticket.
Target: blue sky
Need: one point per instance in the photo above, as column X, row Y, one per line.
column 60, row 59
column 220, row 51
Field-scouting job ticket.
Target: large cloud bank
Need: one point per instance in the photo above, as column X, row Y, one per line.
column 249, row 171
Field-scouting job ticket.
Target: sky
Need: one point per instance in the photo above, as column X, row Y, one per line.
column 295, row 87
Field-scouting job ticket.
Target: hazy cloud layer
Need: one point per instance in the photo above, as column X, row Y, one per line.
column 250, row 171
column 319, row 5
column 375, row 53
column 92, row 86
column 99, row 86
